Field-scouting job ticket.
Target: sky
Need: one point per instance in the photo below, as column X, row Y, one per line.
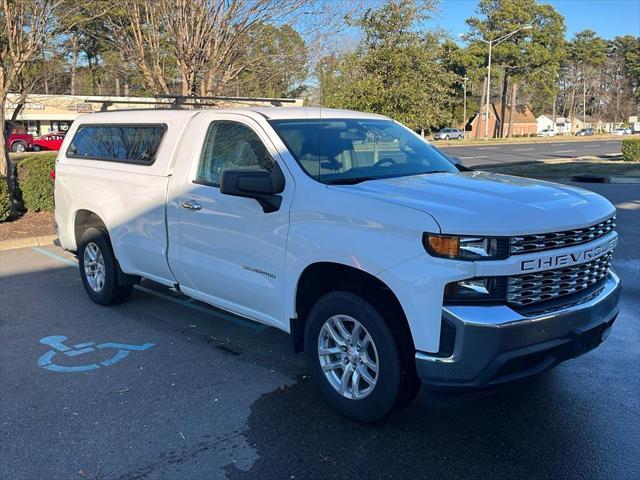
column 608, row 18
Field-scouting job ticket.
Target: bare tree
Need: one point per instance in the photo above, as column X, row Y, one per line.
column 25, row 27
column 200, row 44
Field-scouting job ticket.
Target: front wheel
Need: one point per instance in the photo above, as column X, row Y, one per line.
column 447, row 137
column 18, row 147
column 99, row 269
column 355, row 358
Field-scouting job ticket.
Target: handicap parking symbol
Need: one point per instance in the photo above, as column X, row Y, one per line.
column 56, row 342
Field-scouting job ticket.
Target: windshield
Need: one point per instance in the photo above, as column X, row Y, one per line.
column 355, row 150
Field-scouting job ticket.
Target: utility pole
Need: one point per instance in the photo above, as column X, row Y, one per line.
column 555, row 100
column 486, row 110
column 584, row 102
column 464, row 108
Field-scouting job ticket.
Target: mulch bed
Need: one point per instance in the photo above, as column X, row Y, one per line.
column 35, row 224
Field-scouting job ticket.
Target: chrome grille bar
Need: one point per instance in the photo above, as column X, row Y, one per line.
column 547, row 241
column 538, row 287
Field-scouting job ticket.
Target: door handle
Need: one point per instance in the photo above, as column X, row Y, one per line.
column 191, row 205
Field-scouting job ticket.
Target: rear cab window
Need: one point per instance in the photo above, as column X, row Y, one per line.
column 132, row 143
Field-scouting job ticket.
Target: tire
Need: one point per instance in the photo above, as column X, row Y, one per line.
column 391, row 389
column 18, row 147
column 36, row 148
column 95, row 252
column 447, row 137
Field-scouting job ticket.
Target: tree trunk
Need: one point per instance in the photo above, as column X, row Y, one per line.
column 74, row 62
column 512, row 109
column 479, row 120
column 5, row 166
column 117, row 87
column 505, row 89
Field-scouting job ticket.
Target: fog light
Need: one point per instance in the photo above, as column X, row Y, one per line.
column 476, row 289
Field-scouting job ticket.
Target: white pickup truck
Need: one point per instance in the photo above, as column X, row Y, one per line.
column 390, row 265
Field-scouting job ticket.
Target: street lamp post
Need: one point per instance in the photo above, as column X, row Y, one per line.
column 464, row 108
column 491, row 44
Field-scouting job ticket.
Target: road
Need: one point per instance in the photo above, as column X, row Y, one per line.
column 216, row 396
column 472, row 155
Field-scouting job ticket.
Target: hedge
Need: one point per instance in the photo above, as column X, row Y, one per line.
column 5, row 201
column 631, row 149
column 34, row 182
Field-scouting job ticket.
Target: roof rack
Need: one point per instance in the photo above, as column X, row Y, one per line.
column 191, row 100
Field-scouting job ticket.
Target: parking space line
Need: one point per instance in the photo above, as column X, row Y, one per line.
column 523, row 149
column 564, row 151
column 54, row 256
column 185, row 303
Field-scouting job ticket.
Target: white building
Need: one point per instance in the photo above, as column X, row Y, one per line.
column 544, row 122
column 562, row 125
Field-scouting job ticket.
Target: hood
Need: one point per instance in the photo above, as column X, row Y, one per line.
column 482, row 203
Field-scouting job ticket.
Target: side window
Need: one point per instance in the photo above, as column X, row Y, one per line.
column 117, row 143
column 231, row 146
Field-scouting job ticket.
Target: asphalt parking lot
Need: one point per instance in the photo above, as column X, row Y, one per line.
column 167, row 388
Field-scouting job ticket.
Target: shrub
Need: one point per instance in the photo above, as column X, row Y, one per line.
column 5, row 200
column 631, row 149
column 35, row 183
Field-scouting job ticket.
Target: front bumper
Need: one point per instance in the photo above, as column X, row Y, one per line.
column 495, row 344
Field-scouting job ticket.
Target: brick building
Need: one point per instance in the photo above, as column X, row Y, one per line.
column 524, row 121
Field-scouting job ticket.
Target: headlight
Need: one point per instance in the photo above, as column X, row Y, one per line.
column 466, row 248
column 476, row 289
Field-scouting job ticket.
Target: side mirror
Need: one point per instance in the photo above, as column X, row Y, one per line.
column 262, row 185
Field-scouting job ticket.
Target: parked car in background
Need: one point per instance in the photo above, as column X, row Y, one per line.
column 50, row 141
column 19, row 142
column 621, row 131
column 547, row 132
column 448, row 134
column 584, row 132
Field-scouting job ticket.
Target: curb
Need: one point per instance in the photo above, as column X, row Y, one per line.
column 511, row 164
column 542, row 160
column 12, row 244
column 593, row 178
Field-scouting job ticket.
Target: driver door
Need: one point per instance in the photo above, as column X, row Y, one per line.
column 232, row 253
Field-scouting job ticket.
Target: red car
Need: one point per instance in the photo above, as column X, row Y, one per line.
column 50, row 141
column 19, row 142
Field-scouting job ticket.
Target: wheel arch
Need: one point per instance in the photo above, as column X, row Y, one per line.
column 20, row 142
column 320, row 278
column 83, row 220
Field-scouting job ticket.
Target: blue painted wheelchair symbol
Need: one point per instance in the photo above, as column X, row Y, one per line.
column 56, row 343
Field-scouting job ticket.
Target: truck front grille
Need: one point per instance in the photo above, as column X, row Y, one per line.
column 547, row 241
column 533, row 288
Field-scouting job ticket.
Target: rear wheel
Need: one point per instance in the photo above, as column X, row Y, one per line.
column 99, row 269
column 356, row 359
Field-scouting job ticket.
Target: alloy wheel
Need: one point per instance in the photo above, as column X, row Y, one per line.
column 348, row 357
column 94, row 269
